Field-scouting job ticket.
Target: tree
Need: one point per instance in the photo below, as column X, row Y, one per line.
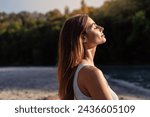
column 66, row 9
column 84, row 7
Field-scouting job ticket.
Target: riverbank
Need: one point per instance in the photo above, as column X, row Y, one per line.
column 45, row 95
column 124, row 93
column 41, row 83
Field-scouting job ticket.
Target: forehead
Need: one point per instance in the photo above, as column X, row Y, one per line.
column 90, row 22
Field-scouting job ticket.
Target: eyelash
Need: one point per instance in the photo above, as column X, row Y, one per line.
column 95, row 27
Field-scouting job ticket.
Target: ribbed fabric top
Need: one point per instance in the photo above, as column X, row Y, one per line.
column 77, row 92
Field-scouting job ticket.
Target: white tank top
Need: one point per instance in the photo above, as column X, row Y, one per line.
column 78, row 95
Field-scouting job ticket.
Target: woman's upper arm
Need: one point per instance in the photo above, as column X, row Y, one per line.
column 96, row 84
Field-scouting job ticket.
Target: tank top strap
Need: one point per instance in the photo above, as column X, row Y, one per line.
column 80, row 66
column 77, row 92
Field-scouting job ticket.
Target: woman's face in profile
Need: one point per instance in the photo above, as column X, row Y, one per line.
column 94, row 34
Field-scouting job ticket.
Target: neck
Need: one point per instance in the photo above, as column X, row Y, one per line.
column 89, row 55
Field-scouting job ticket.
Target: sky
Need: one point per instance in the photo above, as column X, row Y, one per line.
column 43, row 6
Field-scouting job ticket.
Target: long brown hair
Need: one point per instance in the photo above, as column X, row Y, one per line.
column 70, row 53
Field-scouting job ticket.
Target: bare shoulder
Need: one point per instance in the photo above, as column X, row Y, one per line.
column 91, row 75
column 95, row 83
column 92, row 72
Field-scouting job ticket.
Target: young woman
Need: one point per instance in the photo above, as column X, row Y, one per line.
column 78, row 77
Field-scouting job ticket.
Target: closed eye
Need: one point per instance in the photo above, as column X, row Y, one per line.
column 95, row 26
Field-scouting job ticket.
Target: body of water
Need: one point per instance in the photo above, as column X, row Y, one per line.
column 45, row 77
column 138, row 76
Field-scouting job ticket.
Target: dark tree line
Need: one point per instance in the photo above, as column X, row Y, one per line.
column 32, row 38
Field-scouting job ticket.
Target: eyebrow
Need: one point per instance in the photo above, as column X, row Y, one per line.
column 91, row 25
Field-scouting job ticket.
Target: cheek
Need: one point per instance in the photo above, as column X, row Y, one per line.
column 91, row 36
column 95, row 38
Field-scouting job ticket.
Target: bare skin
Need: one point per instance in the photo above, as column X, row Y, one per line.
column 91, row 80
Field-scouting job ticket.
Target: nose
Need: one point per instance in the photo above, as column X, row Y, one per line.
column 101, row 28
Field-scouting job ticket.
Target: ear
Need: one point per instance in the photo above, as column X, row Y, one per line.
column 84, row 38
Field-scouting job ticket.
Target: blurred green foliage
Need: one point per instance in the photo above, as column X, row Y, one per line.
column 32, row 38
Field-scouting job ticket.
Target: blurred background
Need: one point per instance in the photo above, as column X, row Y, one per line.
column 29, row 31
column 30, row 37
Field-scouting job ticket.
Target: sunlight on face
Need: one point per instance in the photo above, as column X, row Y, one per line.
column 94, row 34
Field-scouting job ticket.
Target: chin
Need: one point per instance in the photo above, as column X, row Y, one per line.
column 103, row 40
